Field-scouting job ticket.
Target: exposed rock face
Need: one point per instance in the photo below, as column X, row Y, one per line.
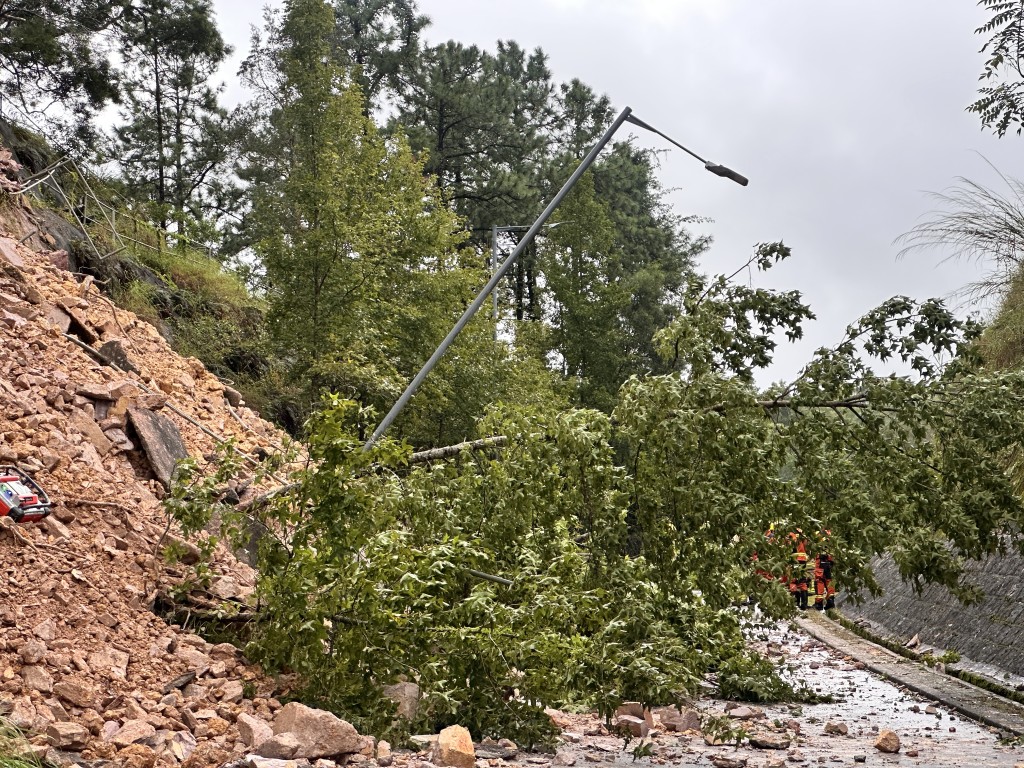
column 454, row 748
column 319, row 733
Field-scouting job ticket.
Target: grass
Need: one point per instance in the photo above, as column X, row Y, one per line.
column 14, row 752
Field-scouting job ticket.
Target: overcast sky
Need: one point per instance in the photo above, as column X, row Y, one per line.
column 843, row 114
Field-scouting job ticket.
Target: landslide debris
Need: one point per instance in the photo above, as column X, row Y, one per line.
column 87, row 669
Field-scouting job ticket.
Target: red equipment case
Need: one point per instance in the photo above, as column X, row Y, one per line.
column 21, row 498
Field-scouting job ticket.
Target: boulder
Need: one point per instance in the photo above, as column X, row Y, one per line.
column 161, row 441
column 454, row 748
column 114, row 352
column 252, row 730
column 281, row 746
column 77, row 692
column 637, row 726
column 70, row 736
column 37, row 678
column 679, row 720
column 769, row 741
column 319, row 733
column 133, row 732
column 635, row 709
column 888, row 742
column 406, row 696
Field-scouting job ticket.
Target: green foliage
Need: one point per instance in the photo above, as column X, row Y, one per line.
column 52, row 52
column 1001, row 97
column 722, row 729
column 14, row 749
column 627, row 539
column 749, row 676
column 174, row 141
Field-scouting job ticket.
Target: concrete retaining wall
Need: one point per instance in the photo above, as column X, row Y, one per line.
column 990, row 632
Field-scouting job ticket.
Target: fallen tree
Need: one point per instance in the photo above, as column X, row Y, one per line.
column 627, row 540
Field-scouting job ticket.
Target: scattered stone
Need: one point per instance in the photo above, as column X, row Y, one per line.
column 206, row 755
column 489, row 749
column 888, row 742
column 320, row 734
column 454, row 748
column 563, row 757
column 911, row 753
column 32, row 651
column 860, row 758
column 769, row 741
column 45, row 631
column 931, row 710
column 837, row 728
column 182, row 744
column 384, row 756
column 746, row 713
column 724, row 761
column 37, row 679
column 558, row 718
column 77, row 692
column 180, row 682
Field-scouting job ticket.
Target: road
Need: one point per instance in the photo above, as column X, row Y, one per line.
column 931, row 728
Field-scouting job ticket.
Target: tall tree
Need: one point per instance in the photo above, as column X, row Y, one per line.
column 55, row 58
column 363, row 271
column 176, row 136
column 380, row 40
column 481, row 120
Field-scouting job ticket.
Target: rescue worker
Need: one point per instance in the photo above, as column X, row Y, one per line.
column 824, row 589
column 798, row 581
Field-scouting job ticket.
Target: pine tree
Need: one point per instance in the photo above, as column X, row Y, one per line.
column 175, row 138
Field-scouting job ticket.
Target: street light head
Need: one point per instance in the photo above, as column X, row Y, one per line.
column 718, row 170
column 727, row 173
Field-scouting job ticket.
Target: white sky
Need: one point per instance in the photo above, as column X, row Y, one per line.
column 843, row 114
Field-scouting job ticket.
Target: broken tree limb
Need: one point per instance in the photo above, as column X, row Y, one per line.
column 420, row 457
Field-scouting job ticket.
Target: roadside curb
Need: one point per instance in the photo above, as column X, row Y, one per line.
column 969, row 700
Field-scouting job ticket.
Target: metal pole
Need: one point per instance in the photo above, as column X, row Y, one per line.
column 494, row 269
column 499, row 273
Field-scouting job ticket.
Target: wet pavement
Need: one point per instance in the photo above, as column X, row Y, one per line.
column 931, row 734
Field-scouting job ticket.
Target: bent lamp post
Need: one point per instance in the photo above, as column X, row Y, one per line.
column 625, row 116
